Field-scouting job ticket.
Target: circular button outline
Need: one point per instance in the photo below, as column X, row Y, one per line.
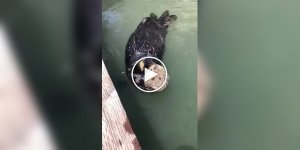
column 141, row 60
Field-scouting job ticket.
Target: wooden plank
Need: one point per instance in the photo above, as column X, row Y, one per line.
column 117, row 133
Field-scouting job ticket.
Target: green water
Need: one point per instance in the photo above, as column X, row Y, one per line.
column 253, row 51
column 165, row 120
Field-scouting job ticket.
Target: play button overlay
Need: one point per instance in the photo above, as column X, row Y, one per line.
column 149, row 74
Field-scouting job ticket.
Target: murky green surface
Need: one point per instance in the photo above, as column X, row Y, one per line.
column 253, row 50
column 165, row 120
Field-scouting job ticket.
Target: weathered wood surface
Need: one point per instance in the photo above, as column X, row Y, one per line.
column 117, row 133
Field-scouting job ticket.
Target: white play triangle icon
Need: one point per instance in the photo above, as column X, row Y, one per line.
column 149, row 74
column 150, row 84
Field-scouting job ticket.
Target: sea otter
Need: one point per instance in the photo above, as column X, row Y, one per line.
column 147, row 40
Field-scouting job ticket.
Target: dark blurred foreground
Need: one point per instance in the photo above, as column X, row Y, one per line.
column 55, row 48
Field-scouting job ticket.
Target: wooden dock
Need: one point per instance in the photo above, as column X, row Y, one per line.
column 117, row 133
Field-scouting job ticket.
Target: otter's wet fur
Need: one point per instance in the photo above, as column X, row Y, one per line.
column 147, row 40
